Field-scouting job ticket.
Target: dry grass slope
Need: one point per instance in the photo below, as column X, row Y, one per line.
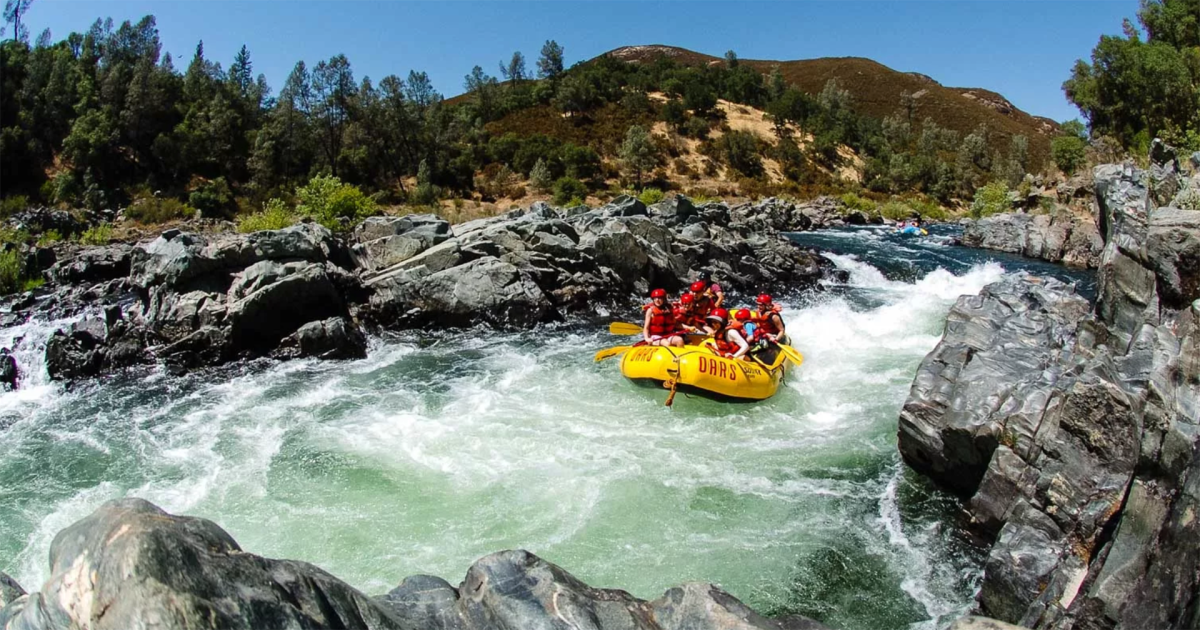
column 877, row 90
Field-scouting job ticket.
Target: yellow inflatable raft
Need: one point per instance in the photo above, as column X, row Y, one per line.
column 696, row 369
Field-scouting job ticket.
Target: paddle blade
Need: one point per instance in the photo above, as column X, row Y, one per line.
column 608, row 353
column 791, row 354
column 623, row 328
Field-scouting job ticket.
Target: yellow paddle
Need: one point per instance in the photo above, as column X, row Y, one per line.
column 791, row 353
column 611, row 352
column 622, row 328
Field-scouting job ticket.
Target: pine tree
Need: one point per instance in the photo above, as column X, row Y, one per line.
column 514, row 70
column 13, row 11
column 550, row 64
column 240, row 74
column 638, row 152
column 540, row 177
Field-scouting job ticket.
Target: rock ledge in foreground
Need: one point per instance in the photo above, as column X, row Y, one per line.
column 132, row 565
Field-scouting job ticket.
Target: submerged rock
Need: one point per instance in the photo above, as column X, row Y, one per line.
column 131, row 565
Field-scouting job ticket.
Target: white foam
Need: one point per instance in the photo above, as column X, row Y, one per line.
column 444, row 450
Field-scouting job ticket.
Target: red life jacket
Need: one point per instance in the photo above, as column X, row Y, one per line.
column 721, row 337
column 662, row 321
column 764, row 322
column 702, row 306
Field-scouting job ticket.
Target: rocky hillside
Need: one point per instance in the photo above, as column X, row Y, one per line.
column 1073, row 431
column 877, row 91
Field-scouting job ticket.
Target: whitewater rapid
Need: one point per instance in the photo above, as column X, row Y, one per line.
column 435, row 451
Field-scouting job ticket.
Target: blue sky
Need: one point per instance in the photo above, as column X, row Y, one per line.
column 1023, row 50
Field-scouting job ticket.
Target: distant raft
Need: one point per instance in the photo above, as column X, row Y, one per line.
column 696, row 369
column 912, row 230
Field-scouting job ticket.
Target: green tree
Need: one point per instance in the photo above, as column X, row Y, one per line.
column 576, row 96
column 13, row 11
column 699, row 98
column 776, row 85
column 482, row 87
column 332, row 203
column 740, row 150
column 333, row 94
column 674, row 113
column 540, row 177
column 1135, row 90
column 550, row 63
column 638, row 153
column 568, row 190
column 514, row 70
column 1068, row 152
column 991, row 199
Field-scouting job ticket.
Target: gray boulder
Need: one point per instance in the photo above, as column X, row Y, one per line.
column 178, row 259
column 384, row 241
column 483, row 290
column 270, row 300
column 1062, row 237
column 93, row 265
column 131, row 565
column 1075, row 435
column 333, row 338
column 1173, row 248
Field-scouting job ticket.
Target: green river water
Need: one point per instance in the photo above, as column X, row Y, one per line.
column 433, row 452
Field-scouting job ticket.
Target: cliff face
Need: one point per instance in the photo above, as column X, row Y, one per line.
column 1074, row 435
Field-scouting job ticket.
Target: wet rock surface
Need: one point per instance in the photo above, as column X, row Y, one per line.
column 1062, row 238
column 132, row 565
column 1074, row 434
column 193, row 300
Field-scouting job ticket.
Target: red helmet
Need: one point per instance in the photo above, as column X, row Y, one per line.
column 764, row 299
column 742, row 314
column 698, row 286
column 658, row 293
column 720, row 314
column 686, row 298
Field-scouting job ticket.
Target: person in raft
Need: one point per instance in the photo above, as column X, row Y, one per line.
column 659, row 326
column 702, row 300
column 767, row 320
column 712, row 289
column 686, row 317
column 728, row 339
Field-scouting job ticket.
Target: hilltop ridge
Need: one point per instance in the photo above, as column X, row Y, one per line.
column 877, row 90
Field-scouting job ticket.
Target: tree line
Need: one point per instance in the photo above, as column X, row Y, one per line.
column 101, row 117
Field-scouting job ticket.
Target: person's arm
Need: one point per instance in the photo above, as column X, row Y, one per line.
column 778, row 319
column 736, row 337
column 646, row 325
column 720, row 296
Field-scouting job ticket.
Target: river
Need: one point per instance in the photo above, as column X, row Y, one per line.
column 436, row 450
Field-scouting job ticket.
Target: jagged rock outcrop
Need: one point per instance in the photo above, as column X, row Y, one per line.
column 544, row 264
column 132, row 565
column 1075, row 436
column 1064, row 237
column 193, row 300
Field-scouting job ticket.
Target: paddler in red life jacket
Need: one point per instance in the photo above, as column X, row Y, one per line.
column 686, row 317
column 659, row 327
column 767, row 320
column 702, row 302
column 712, row 289
column 728, row 338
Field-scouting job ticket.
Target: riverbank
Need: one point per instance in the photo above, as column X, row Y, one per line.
column 1072, row 432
